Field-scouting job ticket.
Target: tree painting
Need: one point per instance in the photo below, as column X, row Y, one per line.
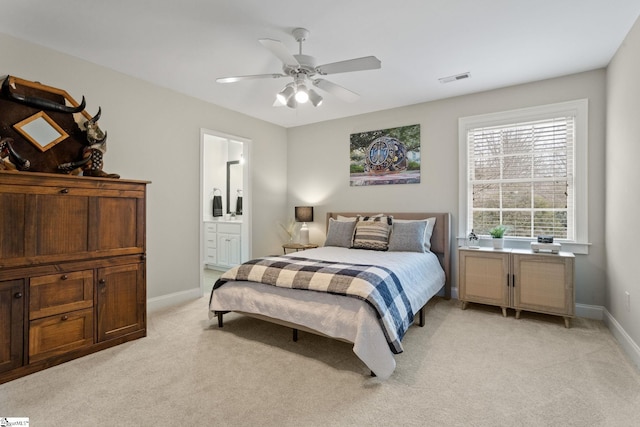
column 385, row 156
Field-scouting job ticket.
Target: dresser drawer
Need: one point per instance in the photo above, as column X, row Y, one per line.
column 55, row 335
column 209, row 227
column 60, row 293
column 229, row 228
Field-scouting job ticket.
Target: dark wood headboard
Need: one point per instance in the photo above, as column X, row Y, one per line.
column 440, row 239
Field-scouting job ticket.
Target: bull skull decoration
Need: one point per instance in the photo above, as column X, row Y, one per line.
column 80, row 143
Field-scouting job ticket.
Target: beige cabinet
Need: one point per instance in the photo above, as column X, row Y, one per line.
column 518, row 279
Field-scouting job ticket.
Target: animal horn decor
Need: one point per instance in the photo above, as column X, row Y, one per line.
column 50, row 130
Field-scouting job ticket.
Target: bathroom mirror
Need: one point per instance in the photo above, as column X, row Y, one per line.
column 234, row 183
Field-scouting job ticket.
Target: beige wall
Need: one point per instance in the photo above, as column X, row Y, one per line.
column 622, row 177
column 154, row 134
column 319, row 162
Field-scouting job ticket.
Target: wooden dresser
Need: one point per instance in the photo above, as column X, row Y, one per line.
column 72, row 268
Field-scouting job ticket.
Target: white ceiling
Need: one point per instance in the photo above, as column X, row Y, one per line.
column 185, row 45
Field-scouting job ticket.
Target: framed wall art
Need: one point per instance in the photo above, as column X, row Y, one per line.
column 385, row 156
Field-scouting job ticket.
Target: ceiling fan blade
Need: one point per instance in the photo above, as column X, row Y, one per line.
column 234, row 79
column 357, row 64
column 337, row 90
column 280, row 50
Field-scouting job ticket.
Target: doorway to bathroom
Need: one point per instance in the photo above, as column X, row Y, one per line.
column 225, row 204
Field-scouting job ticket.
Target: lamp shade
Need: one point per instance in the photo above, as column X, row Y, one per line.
column 304, row 213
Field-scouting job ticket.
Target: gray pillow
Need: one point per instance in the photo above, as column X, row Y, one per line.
column 340, row 233
column 408, row 236
column 428, row 231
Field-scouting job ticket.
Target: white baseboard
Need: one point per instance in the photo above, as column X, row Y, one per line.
column 595, row 312
column 173, row 299
column 628, row 345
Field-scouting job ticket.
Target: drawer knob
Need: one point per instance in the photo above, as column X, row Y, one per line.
column 102, row 281
column 64, row 191
column 17, row 295
column 65, row 317
column 64, row 277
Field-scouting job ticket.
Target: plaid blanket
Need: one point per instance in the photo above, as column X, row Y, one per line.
column 376, row 285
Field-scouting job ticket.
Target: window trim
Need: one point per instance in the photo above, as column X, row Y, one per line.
column 577, row 108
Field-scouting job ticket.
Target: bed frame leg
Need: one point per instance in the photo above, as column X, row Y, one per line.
column 219, row 315
column 421, row 323
column 295, row 335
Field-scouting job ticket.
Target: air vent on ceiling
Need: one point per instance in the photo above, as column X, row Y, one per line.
column 455, row 78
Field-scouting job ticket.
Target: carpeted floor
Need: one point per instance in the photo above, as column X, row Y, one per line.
column 464, row 368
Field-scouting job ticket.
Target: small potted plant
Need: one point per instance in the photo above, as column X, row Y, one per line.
column 497, row 233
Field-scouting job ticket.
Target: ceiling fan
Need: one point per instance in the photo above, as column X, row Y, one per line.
column 304, row 71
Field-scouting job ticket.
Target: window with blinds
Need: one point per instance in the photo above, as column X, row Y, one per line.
column 522, row 175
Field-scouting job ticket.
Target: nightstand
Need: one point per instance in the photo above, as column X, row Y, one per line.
column 298, row 246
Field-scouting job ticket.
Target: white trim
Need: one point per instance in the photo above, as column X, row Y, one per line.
column 247, row 208
column 626, row 342
column 579, row 108
column 595, row 312
column 574, row 248
column 157, row 303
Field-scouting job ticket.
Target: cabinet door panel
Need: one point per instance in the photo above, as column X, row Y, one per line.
column 543, row 283
column 11, row 321
column 483, row 277
column 12, row 223
column 121, row 300
column 116, row 223
column 60, row 224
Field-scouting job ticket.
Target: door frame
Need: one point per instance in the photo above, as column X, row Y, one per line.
column 247, row 205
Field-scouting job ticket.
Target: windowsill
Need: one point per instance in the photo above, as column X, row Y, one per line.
column 576, row 248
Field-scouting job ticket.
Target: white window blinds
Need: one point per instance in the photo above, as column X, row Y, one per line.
column 522, row 175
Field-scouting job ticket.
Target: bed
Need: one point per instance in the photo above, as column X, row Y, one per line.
column 357, row 320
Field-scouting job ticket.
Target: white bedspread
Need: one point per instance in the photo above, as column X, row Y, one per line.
column 337, row 316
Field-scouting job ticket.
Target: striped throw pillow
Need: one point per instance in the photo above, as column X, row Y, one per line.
column 372, row 233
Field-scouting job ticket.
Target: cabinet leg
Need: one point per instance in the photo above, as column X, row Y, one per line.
column 504, row 311
column 567, row 322
column 464, row 305
column 518, row 314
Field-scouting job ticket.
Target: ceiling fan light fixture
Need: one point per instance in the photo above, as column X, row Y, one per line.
column 285, row 94
column 315, row 99
column 302, row 94
column 291, row 102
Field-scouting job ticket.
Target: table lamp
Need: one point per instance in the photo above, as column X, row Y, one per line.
column 304, row 214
